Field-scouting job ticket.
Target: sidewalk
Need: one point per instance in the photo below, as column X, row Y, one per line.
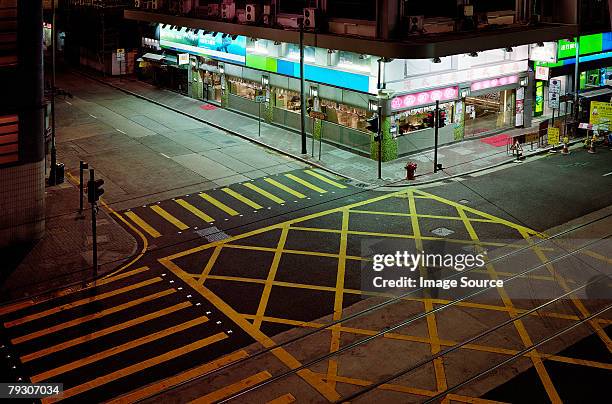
column 457, row 159
column 64, row 255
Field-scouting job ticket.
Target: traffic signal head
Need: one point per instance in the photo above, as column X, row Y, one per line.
column 94, row 190
column 373, row 123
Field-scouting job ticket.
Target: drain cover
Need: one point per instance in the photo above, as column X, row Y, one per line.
column 213, row 234
column 442, row 231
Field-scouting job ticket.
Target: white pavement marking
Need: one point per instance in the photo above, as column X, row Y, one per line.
column 68, row 102
column 120, row 131
column 165, row 155
column 605, row 175
column 93, row 116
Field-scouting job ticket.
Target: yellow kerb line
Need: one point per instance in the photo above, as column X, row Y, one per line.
column 242, row 198
column 285, row 188
column 219, row 204
column 163, row 213
column 142, row 224
column 325, row 179
column 305, row 183
column 194, row 210
column 284, row 399
column 263, row 192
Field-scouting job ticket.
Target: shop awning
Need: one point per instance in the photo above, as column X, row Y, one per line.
column 596, row 93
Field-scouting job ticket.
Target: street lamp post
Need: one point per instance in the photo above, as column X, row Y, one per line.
column 302, row 93
column 53, row 171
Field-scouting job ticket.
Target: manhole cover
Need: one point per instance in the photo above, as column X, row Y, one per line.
column 442, row 231
column 213, row 234
column 464, row 201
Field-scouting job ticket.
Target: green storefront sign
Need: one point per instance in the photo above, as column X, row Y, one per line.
column 588, row 44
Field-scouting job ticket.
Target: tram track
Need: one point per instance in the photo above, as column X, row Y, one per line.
column 388, row 329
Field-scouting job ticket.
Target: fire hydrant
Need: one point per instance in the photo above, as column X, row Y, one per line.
column 410, row 170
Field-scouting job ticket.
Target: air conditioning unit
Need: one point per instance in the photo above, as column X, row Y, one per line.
column 228, row 11
column 212, row 11
column 253, row 12
column 310, row 18
column 266, row 18
column 415, row 23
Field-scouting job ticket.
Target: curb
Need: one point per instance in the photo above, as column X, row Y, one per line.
column 391, row 184
column 214, row 125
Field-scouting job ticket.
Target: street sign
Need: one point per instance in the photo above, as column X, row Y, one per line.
column 542, row 72
column 317, row 114
column 120, row 55
column 553, row 136
column 260, row 98
column 553, row 100
column 183, row 59
column 554, row 86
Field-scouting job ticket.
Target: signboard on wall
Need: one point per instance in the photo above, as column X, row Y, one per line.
column 424, row 98
column 546, row 53
column 589, row 44
column 542, row 72
column 183, row 59
column 553, row 136
column 120, row 55
column 600, row 113
column 218, row 46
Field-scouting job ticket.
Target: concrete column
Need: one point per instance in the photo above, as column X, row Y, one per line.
column 22, row 181
column 387, row 18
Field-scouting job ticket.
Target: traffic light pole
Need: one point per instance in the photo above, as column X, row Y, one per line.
column 53, row 171
column 94, row 234
column 82, row 167
column 436, row 120
column 379, row 140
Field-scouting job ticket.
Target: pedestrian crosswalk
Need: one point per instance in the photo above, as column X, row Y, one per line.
column 119, row 335
column 239, row 201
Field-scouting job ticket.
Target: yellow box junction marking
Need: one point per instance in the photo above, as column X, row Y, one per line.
column 518, row 324
column 432, row 326
column 284, row 399
column 166, row 215
column 232, row 388
column 285, row 188
column 197, row 212
column 219, row 204
column 284, row 356
column 170, row 382
column 263, row 192
column 242, row 198
column 142, row 224
column 325, row 179
column 138, row 367
column 305, row 183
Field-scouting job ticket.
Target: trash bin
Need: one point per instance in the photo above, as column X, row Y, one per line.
column 59, row 173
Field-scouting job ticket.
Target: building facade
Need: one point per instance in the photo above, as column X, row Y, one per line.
column 22, row 164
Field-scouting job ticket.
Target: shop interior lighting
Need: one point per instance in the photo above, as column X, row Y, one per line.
column 509, row 49
column 363, row 57
column 540, row 44
column 276, row 43
column 473, row 54
column 436, row 60
column 331, row 51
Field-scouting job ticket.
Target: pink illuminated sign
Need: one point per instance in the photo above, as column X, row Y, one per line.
column 492, row 83
column 425, row 97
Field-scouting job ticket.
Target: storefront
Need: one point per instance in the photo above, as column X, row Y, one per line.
column 557, row 60
column 491, row 106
